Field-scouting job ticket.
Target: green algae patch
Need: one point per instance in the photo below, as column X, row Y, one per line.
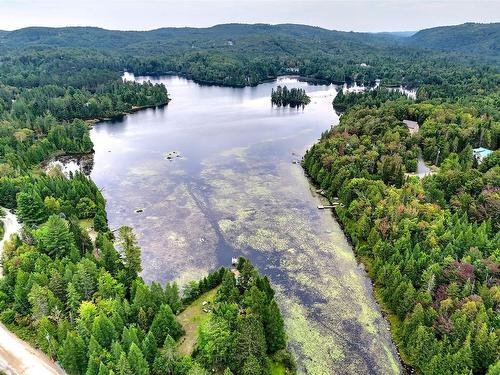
column 392, row 361
column 262, row 239
column 317, row 351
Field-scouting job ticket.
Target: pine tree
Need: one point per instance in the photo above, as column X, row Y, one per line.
column 73, row 355
column 172, row 296
column 116, row 351
column 54, row 238
column 131, row 251
column 30, row 208
column 129, row 336
column 73, row 298
column 103, row 330
column 165, row 324
column 100, row 222
column 109, row 256
column 251, row 366
column 274, row 328
column 149, row 348
column 123, row 367
column 103, row 370
column 138, row 364
column 92, row 366
column 82, row 239
column 227, row 291
column 251, row 341
column 256, row 300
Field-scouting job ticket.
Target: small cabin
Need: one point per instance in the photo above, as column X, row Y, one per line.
column 481, row 153
column 234, row 261
column 412, row 126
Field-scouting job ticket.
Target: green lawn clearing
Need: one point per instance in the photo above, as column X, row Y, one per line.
column 191, row 318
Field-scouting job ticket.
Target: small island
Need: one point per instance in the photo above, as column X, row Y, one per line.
column 282, row 96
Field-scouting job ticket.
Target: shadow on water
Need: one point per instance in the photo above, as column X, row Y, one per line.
column 236, row 192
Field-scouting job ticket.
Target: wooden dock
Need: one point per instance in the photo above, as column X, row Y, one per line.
column 321, row 207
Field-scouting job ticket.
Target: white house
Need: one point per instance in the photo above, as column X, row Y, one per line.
column 480, row 153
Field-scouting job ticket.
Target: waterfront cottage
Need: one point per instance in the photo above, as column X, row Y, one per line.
column 480, row 153
column 412, row 126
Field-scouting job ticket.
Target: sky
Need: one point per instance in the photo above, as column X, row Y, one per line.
column 354, row 15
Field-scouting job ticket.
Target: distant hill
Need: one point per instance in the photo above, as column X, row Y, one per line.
column 243, row 54
column 469, row 38
column 212, row 37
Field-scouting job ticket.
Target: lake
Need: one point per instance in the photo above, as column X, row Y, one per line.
column 217, row 174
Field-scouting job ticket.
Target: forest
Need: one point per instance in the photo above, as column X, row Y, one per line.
column 70, row 285
column 430, row 245
column 241, row 55
column 294, row 97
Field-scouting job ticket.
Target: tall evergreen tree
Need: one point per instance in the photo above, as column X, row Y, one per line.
column 103, row 330
column 149, row 348
column 30, row 208
column 131, row 252
column 73, row 355
column 54, row 238
column 138, row 364
column 274, row 328
column 165, row 324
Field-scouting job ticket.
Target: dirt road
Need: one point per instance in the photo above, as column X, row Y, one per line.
column 17, row 357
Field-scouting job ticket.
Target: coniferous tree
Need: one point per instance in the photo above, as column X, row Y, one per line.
column 92, row 365
column 274, row 328
column 73, row 356
column 54, row 238
column 137, row 363
column 165, row 324
column 103, row 370
column 149, row 348
column 131, row 252
column 103, row 330
column 123, row 367
column 30, row 208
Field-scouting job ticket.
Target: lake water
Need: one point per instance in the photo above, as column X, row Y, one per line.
column 232, row 188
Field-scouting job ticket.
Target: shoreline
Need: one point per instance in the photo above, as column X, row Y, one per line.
column 386, row 313
column 303, row 78
column 92, row 121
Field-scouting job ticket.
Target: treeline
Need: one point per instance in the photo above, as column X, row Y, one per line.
column 295, row 97
column 245, row 331
column 108, row 100
column 39, row 122
column 240, row 55
column 372, row 98
column 431, row 245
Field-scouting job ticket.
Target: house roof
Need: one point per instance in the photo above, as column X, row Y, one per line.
column 482, row 151
column 411, row 125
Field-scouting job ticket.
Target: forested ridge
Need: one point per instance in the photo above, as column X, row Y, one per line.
column 241, row 55
column 431, row 246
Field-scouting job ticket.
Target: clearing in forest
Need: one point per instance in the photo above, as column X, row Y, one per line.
column 192, row 317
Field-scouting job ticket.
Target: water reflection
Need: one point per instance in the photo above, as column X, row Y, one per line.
column 235, row 191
